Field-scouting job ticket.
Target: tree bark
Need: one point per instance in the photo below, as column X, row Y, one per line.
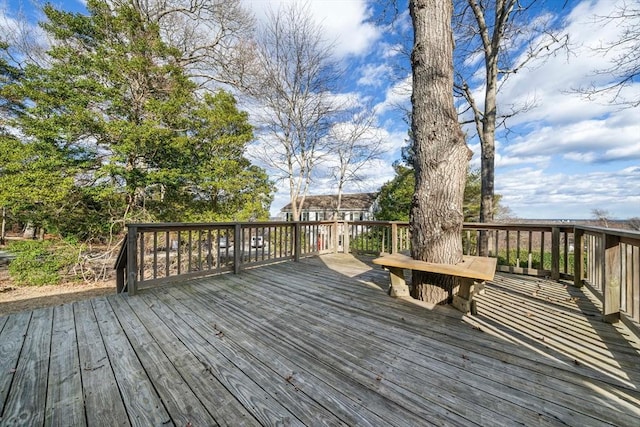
column 488, row 153
column 441, row 155
column 487, row 137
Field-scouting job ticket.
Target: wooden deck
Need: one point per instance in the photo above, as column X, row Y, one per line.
column 318, row 342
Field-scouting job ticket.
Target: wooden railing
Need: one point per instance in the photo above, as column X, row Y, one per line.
column 532, row 249
column 373, row 237
column 157, row 253
column 609, row 263
column 606, row 260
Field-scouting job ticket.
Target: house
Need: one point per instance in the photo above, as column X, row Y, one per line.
column 353, row 207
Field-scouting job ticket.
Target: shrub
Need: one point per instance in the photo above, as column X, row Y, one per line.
column 41, row 262
column 535, row 260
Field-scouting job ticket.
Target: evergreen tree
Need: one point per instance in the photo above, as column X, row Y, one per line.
column 115, row 131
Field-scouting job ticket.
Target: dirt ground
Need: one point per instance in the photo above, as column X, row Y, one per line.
column 19, row 298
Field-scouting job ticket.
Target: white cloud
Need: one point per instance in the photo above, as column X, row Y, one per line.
column 531, row 192
column 554, row 81
column 375, row 75
column 398, row 94
column 576, row 140
column 389, row 50
column 345, row 22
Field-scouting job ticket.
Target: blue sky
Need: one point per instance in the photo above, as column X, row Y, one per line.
column 561, row 159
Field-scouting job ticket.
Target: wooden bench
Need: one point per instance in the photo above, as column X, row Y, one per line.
column 475, row 269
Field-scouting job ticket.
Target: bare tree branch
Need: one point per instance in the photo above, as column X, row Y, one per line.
column 624, row 70
column 496, row 39
column 293, row 78
column 211, row 35
column 356, row 144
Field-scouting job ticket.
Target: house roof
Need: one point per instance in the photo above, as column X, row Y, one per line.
column 349, row 202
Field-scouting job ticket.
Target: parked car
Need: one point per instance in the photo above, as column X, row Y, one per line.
column 257, row 241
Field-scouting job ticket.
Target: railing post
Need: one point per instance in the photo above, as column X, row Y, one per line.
column 132, row 259
column 121, row 268
column 394, row 238
column 611, row 279
column 334, row 236
column 297, row 241
column 555, row 253
column 120, row 280
column 238, row 247
column 345, row 238
column 578, row 255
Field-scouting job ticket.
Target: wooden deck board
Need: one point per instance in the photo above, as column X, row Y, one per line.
column 180, row 401
column 11, row 342
column 26, row 406
column 102, row 400
column 262, row 406
column 298, row 366
column 550, row 366
column 433, row 352
column 65, row 404
column 222, row 405
column 389, row 363
column 144, row 407
column 258, row 369
column 319, row 342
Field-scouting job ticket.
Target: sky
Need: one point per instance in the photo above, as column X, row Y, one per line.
column 561, row 159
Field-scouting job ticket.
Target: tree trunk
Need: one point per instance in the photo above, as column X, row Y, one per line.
column 441, row 154
column 488, row 145
column 4, row 225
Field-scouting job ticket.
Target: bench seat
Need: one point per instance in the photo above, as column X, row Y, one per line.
column 472, row 268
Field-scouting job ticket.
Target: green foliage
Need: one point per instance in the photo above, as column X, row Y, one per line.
column 537, row 262
column 8, row 74
column 374, row 240
column 394, row 199
column 41, row 262
column 116, row 132
column 472, row 196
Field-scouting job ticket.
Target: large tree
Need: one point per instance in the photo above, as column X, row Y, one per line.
column 119, row 122
column 293, row 83
column 440, row 153
column 508, row 35
column 211, row 36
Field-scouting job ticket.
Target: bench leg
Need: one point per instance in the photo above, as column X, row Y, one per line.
column 463, row 301
column 398, row 286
